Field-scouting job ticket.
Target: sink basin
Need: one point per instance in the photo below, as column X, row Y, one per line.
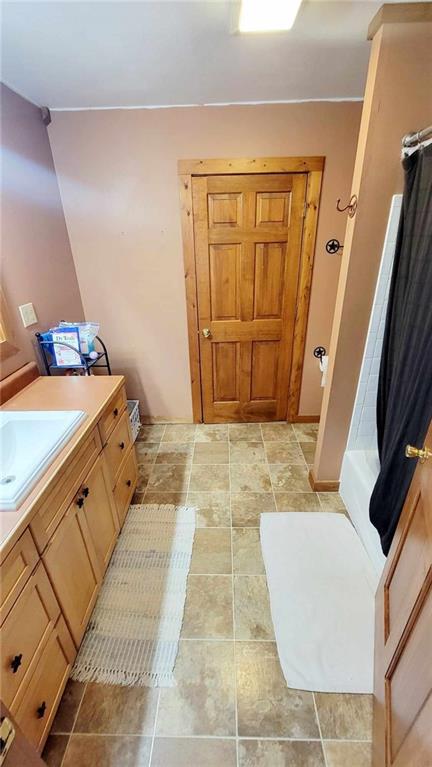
column 29, row 442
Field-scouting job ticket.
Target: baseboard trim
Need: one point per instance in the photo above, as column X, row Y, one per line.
column 305, row 419
column 323, row 486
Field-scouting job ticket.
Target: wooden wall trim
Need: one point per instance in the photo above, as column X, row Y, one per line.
column 251, row 165
column 399, row 13
column 313, row 166
column 304, row 289
column 323, row 486
column 185, row 181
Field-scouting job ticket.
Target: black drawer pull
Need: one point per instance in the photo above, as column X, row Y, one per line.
column 115, row 411
column 80, row 503
column 86, row 492
column 122, row 445
column 41, row 710
column 16, row 663
column 128, row 482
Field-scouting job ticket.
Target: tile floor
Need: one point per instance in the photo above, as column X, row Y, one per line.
column 231, row 706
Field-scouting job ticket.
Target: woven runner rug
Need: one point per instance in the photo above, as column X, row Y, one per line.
column 133, row 634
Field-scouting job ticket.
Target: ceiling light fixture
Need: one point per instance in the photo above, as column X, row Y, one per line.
column 267, row 15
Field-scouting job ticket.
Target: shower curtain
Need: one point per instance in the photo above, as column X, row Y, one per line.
column 404, row 404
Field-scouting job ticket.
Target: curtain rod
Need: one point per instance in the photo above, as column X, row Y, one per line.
column 412, row 139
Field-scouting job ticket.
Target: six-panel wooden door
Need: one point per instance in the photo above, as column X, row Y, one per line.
column 403, row 637
column 248, row 232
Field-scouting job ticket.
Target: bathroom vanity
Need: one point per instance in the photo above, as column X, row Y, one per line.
column 55, row 547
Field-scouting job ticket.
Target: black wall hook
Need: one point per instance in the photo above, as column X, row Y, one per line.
column 333, row 246
column 319, row 352
column 351, row 207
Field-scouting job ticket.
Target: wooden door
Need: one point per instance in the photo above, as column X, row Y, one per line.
column 403, row 637
column 73, row 568
column 100, row 511
column 248, row 231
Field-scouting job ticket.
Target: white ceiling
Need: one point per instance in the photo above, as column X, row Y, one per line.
column 101, row 54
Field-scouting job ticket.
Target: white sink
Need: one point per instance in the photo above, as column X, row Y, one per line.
column 29, row 442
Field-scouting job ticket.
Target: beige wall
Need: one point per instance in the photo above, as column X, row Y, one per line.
column 398, row 100
column 36, row 260
column 117, row 174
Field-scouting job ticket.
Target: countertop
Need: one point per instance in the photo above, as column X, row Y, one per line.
column 88, row 393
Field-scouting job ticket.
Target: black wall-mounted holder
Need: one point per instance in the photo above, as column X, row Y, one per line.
column 351, row 207
column 333, row 246
column 319, row 352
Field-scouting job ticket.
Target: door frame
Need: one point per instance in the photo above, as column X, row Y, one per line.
column 313, row 167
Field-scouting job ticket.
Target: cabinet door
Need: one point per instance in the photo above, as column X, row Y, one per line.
column 100, row 511
column 72, row 565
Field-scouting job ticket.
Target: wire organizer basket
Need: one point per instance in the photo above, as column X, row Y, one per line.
column 134, row 417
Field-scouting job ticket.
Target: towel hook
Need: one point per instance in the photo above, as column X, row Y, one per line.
column 351, row 207
column 319, row 352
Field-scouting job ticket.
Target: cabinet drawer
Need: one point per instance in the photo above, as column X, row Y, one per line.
column 118, row 446
column 24, row 635
column 126, row 484
column 15, row 571
column 37, row 709
column 112, row 414
column 55, row 505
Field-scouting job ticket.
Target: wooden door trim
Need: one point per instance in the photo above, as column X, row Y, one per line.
column 314, row 167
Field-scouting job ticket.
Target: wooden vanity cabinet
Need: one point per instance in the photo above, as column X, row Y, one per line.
column 51, row 577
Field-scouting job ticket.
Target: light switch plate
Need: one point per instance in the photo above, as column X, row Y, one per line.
column 28, row 315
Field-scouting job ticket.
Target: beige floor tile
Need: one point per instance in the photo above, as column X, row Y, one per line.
column 69, row 704
column 252, row 608
column 211, row 432
column 175, row 452
column 266, row 707
column 179, row 432
column 211, row 553
column 250, row 432
column 278, row 432
column 345, row 717
column 306, row 432
column 331, row 502
column 247, row 452
column 210, row 477
column 146, row 451
column 176, row 498
column 280, row 753
column 246, row 508
column 308, row 450
column 144, row 471
column 193, row 752
column 211, row 452
column 111, row 709
column 284, row 452
column 344, row 754
column 54, row 750
column 247, row 557
column 203, row 702
column 290, row 477
column 169, row 477
column 252, row 477
column 208, row 609
column 108, row 751
column 151, row 433
column 297, row 501
column 213, row 509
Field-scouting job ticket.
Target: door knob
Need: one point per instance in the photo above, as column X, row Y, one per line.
column 206, row 332
column 416, row 452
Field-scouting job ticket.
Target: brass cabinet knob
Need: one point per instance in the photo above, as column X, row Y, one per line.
column 417, row 452
column 206, row 332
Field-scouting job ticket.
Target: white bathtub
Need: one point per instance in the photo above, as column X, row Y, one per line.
column 360, row 469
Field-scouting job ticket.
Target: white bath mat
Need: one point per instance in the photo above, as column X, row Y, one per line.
column 322, row 587
column 133, row 634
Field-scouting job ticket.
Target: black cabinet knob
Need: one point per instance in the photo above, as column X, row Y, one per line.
column 122, row 445
column 16, row 663
column 86, row 492
column 115, row 411
column 80, row 502
column 41, row 710
column 128, row 482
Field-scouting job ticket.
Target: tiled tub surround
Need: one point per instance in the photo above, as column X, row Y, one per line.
column 231, row 706
column 360, row 465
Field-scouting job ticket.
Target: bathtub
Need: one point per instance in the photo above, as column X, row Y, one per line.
column 360, row 469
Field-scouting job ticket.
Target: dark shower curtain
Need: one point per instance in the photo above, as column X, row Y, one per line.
column 404, row 405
